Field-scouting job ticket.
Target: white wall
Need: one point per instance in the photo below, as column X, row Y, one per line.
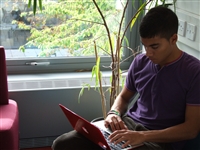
column 188, row 11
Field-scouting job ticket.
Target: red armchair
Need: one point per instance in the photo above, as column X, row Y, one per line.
column 9, row 117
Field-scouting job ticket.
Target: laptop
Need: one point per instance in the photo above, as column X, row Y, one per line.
column 96, row 132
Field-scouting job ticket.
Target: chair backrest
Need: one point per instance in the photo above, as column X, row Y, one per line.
column 193, row 144
column 3, row 78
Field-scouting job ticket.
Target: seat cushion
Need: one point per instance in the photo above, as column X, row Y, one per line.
column 9, row 126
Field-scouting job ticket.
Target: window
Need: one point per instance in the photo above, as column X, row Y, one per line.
column 60, row 38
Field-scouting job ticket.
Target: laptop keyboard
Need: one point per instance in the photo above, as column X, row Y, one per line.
column 112, row 145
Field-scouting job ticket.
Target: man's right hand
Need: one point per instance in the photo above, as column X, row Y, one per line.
column 114, row 122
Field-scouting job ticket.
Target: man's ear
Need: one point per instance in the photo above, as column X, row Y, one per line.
column 174, row 38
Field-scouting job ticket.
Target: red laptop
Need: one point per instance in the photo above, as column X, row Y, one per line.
column 96, row 132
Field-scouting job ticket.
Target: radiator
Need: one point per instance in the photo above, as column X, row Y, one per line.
column 53, row 81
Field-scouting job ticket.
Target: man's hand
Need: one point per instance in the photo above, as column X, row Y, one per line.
column 114, row 122
column 128, row 136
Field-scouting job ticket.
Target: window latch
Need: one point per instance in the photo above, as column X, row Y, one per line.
column 38, row 63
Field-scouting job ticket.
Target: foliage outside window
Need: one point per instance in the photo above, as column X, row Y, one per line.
column 71, row 25
column 62, row 34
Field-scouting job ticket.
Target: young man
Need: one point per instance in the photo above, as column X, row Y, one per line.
column 167, row 79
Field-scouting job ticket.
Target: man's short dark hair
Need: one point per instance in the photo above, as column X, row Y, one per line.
column 159, row 21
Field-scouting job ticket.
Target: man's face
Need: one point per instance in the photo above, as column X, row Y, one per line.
column 159, row 50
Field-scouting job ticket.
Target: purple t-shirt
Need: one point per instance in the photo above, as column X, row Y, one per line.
column 164, row 93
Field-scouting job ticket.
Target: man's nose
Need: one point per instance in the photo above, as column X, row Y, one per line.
column 148, row 52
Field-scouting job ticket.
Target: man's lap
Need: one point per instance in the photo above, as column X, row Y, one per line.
column 75, row 141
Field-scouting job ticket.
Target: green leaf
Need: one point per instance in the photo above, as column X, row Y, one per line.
column 22, row 49
column 97, row 71
column 82, row 90
column 40, row 4
column 81, row 93
column 136, row 16
column 126, row 40
column 34, row 6
column 93, row 71
column 29, row 3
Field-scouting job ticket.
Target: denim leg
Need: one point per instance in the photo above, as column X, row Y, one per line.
column 147, row 145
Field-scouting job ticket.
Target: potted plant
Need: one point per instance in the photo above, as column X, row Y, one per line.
column 115, row 42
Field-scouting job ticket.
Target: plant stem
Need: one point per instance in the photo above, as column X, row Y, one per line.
column 103, row 99
column 107, row 30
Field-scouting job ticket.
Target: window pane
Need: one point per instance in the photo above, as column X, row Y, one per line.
column 61, row 37
column 62, row 29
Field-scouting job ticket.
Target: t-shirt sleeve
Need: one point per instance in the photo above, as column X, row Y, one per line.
column 193, row 95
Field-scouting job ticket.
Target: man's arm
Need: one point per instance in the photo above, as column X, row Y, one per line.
column 120, row 104
column 122, row 101
column 187, row 130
